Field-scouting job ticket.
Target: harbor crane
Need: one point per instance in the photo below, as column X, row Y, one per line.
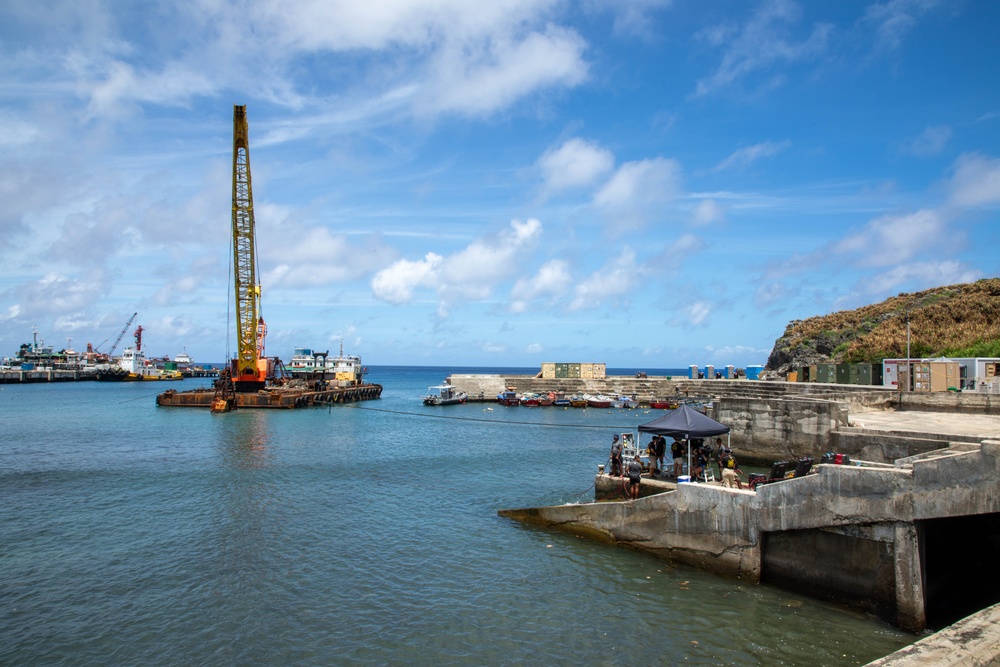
column 250, row 370
column 121, row 334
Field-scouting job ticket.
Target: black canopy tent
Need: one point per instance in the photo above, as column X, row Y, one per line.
column 687, row 422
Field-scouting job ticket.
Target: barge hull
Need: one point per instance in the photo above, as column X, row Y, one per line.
column 275, row 399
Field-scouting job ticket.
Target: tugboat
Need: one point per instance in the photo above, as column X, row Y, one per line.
column 133, row 366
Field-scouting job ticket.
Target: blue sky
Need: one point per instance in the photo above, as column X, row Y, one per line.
column 646, row 184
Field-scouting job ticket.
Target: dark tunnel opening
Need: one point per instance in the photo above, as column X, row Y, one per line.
column 960, row 557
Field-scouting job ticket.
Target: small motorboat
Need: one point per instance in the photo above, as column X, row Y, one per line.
column 626, row 402
column 599, row 401
column 444, row 394
column 509, row 397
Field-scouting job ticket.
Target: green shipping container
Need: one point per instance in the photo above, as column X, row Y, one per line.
column 826, row 373
column 843, row 374
column 862, row 374
column 562, row 370
column 574, row 370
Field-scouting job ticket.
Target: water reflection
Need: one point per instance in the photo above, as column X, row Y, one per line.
column 244, row 437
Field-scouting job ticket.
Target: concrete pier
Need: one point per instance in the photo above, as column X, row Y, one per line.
column 878, row 537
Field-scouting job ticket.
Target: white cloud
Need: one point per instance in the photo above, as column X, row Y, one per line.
column 534, row 348
column 470, row 274
column 396, row 283
column 770, row 293
column 895, row 18
column 615, row 279
column 473, row 272
column 495, row 75
column 698, row 312
column 322, row 258
column 929, row 142
column 708, row 211
column 424, row 56
column 676, row 253
column 893, row 239
column 976, row 181
column 638, row 192
column 918, row 276
column 749, row 154
column 577, row 163
column 551, row 282
column 631, row 17
column 57, row 294
column 761, row 44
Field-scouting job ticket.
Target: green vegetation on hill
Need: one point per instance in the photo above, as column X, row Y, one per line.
column 953, row 321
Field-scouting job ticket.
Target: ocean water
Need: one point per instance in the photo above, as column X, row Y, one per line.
column 354, row 535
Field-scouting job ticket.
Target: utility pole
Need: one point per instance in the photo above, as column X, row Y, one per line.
column 909, row 363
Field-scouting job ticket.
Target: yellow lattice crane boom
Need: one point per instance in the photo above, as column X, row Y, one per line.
column 250, row 369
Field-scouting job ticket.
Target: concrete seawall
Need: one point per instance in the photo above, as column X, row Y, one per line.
column 868, row 537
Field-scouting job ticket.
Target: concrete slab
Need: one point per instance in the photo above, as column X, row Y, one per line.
column 946, row 423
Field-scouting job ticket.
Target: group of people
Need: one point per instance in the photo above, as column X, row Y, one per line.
column 702, row 453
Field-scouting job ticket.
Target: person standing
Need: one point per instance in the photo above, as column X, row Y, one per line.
column 616, row 457
column 651, row 453
column 661, row 452
column 677, row 450
column 721, row 452
column 634, row 472
column 730, row 472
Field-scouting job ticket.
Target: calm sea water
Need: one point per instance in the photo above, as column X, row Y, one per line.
column 137, row 535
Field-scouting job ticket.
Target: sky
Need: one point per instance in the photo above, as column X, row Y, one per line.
column 644, row 183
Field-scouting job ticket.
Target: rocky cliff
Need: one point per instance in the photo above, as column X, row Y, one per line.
column 955, row 321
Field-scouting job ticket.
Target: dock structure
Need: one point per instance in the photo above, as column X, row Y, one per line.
column 279, row 398
column 773, row 420
column 903, row 541
column 18, row 376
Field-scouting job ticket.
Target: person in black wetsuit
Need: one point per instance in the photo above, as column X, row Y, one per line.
column 634, row 472
column 616, row 457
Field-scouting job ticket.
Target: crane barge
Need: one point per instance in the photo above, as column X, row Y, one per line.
column 250, row 380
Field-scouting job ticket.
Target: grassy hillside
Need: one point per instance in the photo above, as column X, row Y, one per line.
column 954, row 321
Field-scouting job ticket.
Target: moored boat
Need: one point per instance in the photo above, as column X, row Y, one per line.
column 508, row 397
column 559, row 399
column 535, row 400
column 133, row 366
column 345, row 369
column 626, row 402
column 599, row 401
column 578, row 401
column 662, row 404
column 444, row 394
